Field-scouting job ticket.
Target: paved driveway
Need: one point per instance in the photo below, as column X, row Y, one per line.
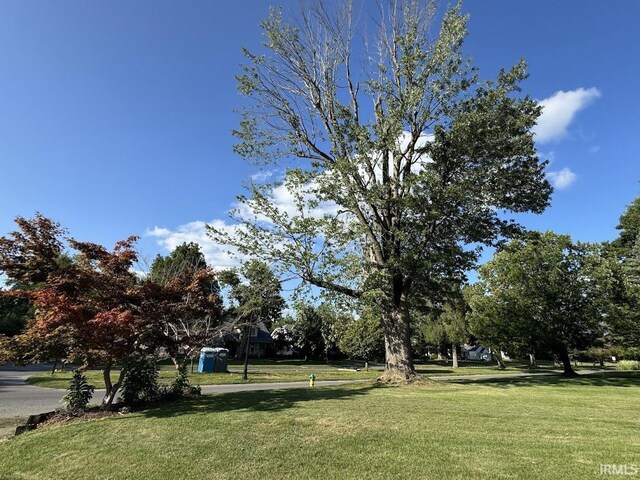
column 18, row 399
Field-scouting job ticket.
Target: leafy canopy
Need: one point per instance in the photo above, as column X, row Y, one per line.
column 543, row 294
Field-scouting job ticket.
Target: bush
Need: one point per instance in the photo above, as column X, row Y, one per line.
column 180, row 387
column 628, row 365
column 79, row 392
column 630, row 353
column 140, row 383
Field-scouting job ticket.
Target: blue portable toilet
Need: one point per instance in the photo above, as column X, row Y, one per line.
column 221, row 357
column 207, row 360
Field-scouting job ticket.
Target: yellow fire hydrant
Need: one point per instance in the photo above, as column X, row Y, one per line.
column 312, row 380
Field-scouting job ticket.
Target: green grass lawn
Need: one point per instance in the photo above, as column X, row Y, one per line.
column 537, row 428
column 296, row 371
column 61, row 379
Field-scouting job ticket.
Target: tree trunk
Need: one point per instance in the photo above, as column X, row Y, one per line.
column 532, row 360
column 245, row 372
column 175, row 361
column 441, row 349
column 397, row 343
column 112, row 389
column 499, row 361
column 566, row 364
column 454, row 355
column 55, row 364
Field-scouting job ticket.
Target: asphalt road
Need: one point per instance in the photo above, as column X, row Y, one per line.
column 19, row 399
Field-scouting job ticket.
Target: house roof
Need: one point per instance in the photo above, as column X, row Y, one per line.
column 263, row 335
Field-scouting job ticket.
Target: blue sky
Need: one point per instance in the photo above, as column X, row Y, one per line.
column 116, row 117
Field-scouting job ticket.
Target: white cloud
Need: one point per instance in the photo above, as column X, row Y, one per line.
column 217, row 256
column 284, row 200
column 561, row 179
column 559, row 110
column 262, row 176
column 223, row 256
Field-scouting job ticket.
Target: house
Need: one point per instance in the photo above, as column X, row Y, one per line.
column 260, row 341
column 475, row 352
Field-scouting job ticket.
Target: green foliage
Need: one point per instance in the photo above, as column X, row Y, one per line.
column 79, row 392
column 362, row 337
column 14, row 315
column 259, row 299
column 542, row 294
column 630, row 353
column 190, row 300
column 624, row 324
column 186, row 256
column 140, row 382
column 181, row 386
column 313, row 329
column 448, row 324
column 433, row 332
column 628, row 365
column 370, row 217
column 629, row 227
column 601, row 354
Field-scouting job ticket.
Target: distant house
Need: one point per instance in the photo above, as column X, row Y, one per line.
column 475, row 352
column 260, row 341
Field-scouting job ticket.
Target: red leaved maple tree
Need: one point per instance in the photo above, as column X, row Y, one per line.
column 92, row 308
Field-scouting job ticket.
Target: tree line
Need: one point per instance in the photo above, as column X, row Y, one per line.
column 78, row 302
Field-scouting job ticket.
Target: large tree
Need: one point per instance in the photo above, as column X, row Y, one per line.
column 189, row 301
column 93, row 310
column 396, row 156
column 449, row 323
column 624, row 328
column 314, row 329
column 629, row 228
column 256, row 293
column 545, row 294
column 361, row 337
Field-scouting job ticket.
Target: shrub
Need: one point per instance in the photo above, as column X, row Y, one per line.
column 140, row 383
column 79, row 392
column 628, row 365
column 630, row 354
column 181, row 387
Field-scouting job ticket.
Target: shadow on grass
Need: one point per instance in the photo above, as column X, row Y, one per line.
column 608, row 379
column 476, row 371
column 255, row 401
